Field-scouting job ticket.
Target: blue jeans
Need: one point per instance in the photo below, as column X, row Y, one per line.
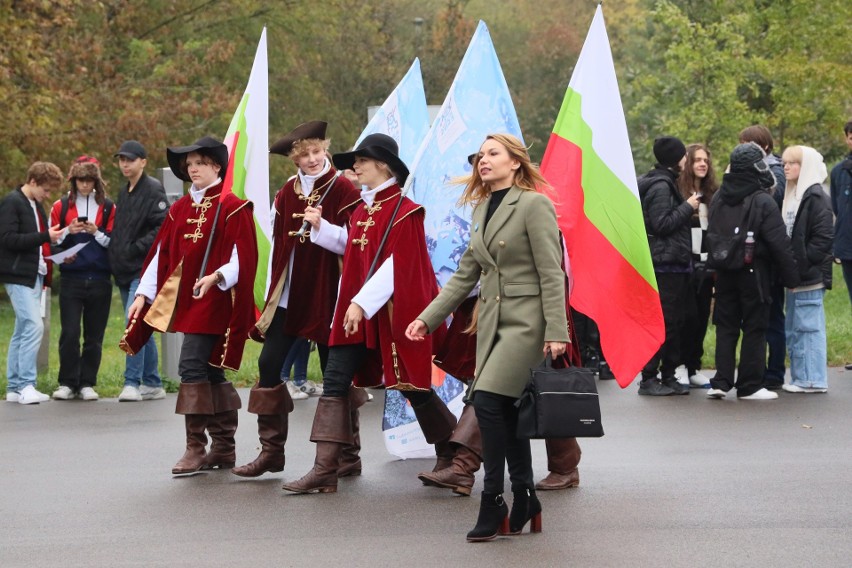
column 806, row 339
column 297, row 360
column 26, row 337
column 142, row 367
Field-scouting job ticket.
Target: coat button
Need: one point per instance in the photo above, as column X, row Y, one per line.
column 497, row 299
column 502, row 243
column 485, row 273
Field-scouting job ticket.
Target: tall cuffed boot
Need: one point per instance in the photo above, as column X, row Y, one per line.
column 195, row 402
column 493, row 518
column 331, row 431
column 273, row 407
column 563, row 456
column 467, row 441
column 222, row 426
column 526, row 508
column 438, row 424
column 350, row 456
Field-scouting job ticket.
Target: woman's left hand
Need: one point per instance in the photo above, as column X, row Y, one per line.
column 352, row 318
column 556, row 348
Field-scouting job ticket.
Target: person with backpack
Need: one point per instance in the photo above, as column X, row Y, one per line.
column 667, row 221
column 745, row 236
column 810, row 225
column 85, row 215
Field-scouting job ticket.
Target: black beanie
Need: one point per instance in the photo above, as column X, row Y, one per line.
column 668, row 151
column 745, row 156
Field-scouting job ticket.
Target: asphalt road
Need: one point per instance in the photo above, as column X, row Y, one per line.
column 676, row 481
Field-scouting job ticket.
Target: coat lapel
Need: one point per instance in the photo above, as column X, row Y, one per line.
column 504, row 211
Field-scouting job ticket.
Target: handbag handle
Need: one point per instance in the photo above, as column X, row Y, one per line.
column 547, row 363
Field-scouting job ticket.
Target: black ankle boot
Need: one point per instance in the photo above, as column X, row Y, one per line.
column 525, row 508
column 493, row 518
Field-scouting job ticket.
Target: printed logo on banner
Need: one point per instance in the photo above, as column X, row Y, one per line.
column 449, row 125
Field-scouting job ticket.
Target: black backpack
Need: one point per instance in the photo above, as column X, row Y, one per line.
column 727, row 226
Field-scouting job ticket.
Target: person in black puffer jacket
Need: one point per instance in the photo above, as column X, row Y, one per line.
column 667, row 221
column 743, row 295
column 810, row 224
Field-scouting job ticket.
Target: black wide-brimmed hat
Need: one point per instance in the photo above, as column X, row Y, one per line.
column 379, row 147
column 207, row 146
column 308, row 130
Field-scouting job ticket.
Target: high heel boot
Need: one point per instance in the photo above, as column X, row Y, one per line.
column 525, row 508
column 493, row 518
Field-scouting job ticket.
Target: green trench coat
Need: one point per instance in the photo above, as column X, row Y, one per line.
column 522, row 299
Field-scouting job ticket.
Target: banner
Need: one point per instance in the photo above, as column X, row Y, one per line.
column 478, row 103
column 589, row 163
column 404, row 116
column 248, row 161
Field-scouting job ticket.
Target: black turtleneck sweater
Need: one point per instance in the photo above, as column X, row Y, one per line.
column 494, row 203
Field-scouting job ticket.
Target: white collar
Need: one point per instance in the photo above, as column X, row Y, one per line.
column 198, row 194
column 308, row 181
column 369, row 195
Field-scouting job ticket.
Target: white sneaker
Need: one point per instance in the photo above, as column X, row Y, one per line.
column 682, row 375
column 88, row 393
column 152, row 393
column 310, row 388
column 716, row 393
column 699, row 380
column 762, row 394
column 294, row 391
column 63, row 393
column 29, row 395
column 796, row 388
column 12, row 396
column 129, row 394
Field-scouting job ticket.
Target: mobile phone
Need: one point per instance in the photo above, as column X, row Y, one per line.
column 82, row 219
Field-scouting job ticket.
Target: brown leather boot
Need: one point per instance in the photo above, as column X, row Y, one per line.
column 437, row 423
column 563, row 456
column 467, row 440
column 273, row 407
column 332, row 430
column 195, row 402
column 350, row 458
column 222, row 426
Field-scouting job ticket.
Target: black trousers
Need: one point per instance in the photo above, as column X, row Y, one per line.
column 276, row 346
column 776, row 339
column 498, row 422
column 89, row 301
column 740, row 307
column 697, row 317
column 674, row 295
column 193, row 366
column 343, row 362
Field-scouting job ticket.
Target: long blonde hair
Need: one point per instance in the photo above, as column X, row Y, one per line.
column 527, row 176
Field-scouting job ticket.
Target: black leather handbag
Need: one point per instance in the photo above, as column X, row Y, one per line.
column 559, row 403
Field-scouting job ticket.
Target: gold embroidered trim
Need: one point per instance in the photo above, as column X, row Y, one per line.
column 234, row 212
column 205, row 204
column 395, row 223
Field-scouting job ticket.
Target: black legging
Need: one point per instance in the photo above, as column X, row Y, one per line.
column 343, row 362
column 498, row 422
column 193, row 365
column 276, row 346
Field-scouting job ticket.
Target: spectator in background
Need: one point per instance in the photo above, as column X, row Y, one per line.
column 841, row 203
column 697, row 178
column 85, row 216
column 25, row 238
column 141, row 209
column 776, row 341
column 667, row 218
column 742, row 291
column 810, row 225
column 297, row 362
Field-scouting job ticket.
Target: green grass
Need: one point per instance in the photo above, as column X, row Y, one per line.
column 111, row 375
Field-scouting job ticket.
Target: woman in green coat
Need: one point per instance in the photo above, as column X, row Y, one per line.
column 515, row 254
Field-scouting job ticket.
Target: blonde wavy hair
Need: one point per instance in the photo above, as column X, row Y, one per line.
column 527, row 176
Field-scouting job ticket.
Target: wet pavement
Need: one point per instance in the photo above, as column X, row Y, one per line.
column 676, row 481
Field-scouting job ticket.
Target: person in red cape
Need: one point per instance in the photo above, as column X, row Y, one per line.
column 367, row 343
column 198, row 279
column 302, row 292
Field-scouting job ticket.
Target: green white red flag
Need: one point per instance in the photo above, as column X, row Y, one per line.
column 590, row 166
column 248, row 161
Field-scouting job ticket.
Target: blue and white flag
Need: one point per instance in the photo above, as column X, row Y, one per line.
column 477, row 104
column 403, row 116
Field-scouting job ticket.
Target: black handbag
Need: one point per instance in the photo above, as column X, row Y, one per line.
column 559, row 403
